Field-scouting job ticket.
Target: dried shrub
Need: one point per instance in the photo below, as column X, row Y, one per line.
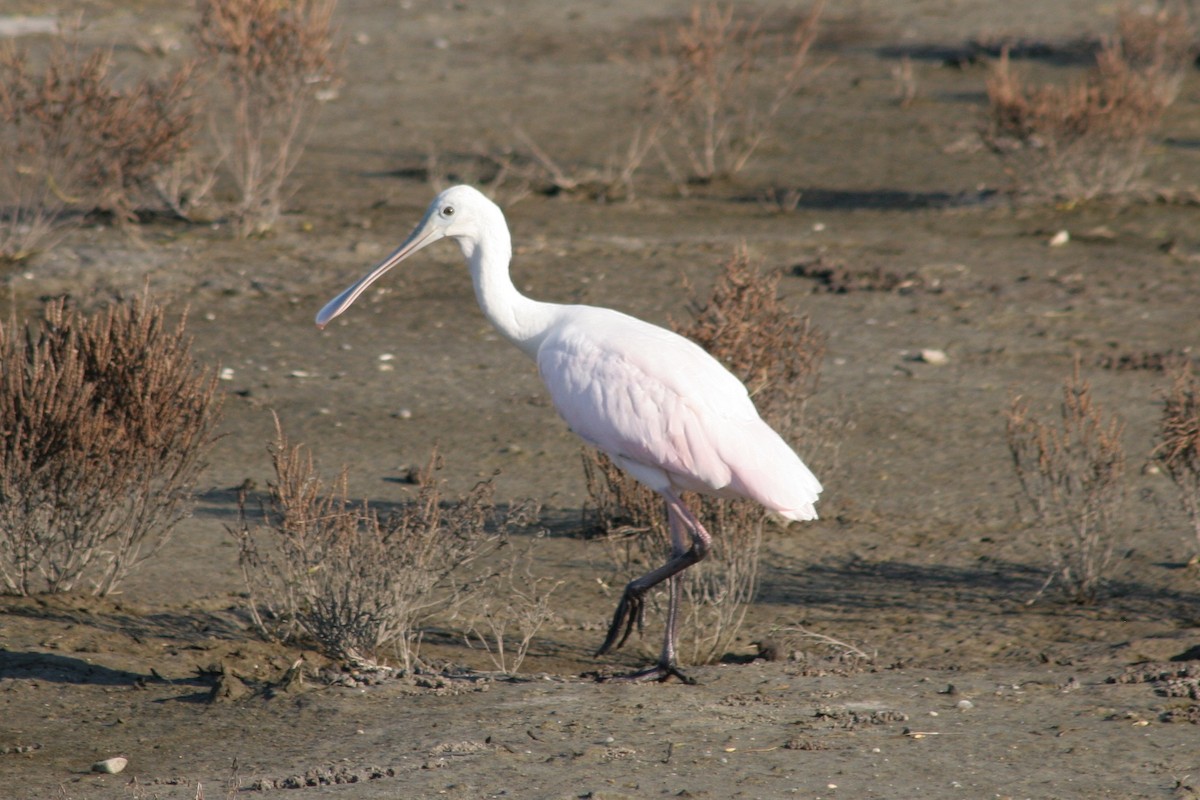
column 272, row 60
column 106, row 420
column 1088, row 139
column 777, row 354
column 1071, row 475
column 1178, row 448
column 71, row 140
column 541, row 172
column 1159, row 43
column 725, row 81
column 513, row 608
column 321, row 565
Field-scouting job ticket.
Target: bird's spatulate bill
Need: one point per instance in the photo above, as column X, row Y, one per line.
column 422, row 236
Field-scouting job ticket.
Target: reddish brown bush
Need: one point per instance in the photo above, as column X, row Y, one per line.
column 106, row 420
column 725, row 81
column 271, row 61
column 72, row 141
column 1088, row 139
column 1178, row 449
column 1071, row 475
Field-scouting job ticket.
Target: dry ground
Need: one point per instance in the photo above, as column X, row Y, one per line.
column 919, row 557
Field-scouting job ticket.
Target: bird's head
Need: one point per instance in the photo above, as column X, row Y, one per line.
column 460, row 212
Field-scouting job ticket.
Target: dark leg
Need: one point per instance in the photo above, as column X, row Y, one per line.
column 631, row 609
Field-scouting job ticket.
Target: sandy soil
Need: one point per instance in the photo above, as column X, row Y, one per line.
column 920, row 557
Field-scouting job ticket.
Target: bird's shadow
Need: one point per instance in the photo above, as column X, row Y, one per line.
column 995, row 586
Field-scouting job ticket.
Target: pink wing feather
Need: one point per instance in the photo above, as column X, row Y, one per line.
column 664, row 408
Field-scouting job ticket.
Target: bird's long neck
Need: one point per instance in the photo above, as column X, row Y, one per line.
column 521, row 320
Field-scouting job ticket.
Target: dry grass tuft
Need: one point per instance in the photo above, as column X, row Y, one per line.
column 1088, row 139
column 71, row 141
column 1071, row 475
column 323, row 566
column 511, row 613
column 106, row 420
column 726, row 80
column 271, row 61
column 1178, row 449
column 777, row 354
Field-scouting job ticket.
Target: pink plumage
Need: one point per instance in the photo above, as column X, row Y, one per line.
column 661, row 407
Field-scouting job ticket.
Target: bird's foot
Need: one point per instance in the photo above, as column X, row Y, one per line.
column 659, row 673
column 630, row 612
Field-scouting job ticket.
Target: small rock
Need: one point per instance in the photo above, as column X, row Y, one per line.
column 367, row 249
column 964, row 705
column 935, row 357
column 1059, row 239
column 110, row 766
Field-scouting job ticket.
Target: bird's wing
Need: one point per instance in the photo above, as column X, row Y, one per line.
column 644, row 395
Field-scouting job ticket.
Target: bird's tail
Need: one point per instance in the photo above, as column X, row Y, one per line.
column 770, row 472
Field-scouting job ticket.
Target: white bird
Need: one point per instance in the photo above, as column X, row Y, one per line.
column 662, row 408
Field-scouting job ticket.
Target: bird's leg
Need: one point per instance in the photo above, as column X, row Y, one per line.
column 631, row 608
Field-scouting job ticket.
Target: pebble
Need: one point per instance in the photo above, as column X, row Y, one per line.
column 226, row 374
column 964, row 705
column 1059, row 239
column 110, row 766
column 935, row 357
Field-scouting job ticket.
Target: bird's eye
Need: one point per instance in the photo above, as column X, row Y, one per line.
column 448, row 211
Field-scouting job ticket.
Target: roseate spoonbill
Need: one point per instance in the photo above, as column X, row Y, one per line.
column 661, row 407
